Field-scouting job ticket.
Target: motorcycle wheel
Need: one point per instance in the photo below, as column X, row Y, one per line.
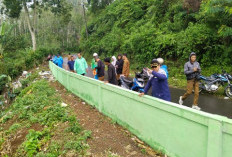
column 228, row 91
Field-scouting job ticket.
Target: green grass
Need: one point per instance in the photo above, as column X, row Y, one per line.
column 39, row 104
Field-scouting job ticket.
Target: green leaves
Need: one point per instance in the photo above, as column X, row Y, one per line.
column 35, row 140
column 225, row 31
column 13, row 8
column 148, row 29
column 54, row 130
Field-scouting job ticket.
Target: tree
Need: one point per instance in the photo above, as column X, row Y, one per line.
column 31, row 8
column 96, row 5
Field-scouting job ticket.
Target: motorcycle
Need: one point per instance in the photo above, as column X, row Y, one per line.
column 137, row 84
column 228, row 88
column 212, row 83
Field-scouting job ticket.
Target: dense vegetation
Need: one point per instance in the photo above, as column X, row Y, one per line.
column 144, row 29
column 171, row 29
column 28, row 33
column 49, row 129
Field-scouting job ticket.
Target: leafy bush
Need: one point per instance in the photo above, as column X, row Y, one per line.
column 153, row 28
column 15, row 62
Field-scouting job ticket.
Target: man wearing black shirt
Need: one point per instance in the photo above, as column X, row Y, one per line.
column 111, row 72
column 119, row 66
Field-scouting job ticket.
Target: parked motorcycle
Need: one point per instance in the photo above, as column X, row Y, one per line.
column 212, row 83
column 137, row 84
column 228, row 88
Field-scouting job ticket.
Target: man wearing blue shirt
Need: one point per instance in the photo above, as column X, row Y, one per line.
column 158, row 82
column 71, row 64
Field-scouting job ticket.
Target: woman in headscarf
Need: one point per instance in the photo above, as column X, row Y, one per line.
column 114, row 60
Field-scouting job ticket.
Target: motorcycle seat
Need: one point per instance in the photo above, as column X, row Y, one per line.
column 127, row 81
column 140, row 80
column 210, row 78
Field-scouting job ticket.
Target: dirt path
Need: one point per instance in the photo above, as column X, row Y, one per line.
column 107, row 137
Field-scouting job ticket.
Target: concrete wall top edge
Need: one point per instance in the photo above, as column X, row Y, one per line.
column 172, row 107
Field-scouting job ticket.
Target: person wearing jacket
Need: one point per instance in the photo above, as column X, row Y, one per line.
column 126, row 66
column 158, row 82
column 111, row 72
column 60, row 61
column 162, row 66
column 119, row 66
column 100, row 69
column 55, row 59
column 80, row 65
column 192, row 69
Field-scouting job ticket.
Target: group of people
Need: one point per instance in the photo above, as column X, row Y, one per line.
column 116, row 67
column 121, row 66
column 56, row 59
column 159, row 82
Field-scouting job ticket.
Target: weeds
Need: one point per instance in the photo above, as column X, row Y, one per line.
column 40, row 104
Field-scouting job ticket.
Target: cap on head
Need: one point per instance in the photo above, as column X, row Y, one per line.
column 155, row 63
column 160, row 60
column 95, row 55
column 125, row 54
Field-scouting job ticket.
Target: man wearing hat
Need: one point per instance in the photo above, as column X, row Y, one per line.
column 94, row 65
column 158, row 82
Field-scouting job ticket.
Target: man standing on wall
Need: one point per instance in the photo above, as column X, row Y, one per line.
column 100, row 68
column 111, row 72
column 192, row 69
column 80, row 65
column 126, row 66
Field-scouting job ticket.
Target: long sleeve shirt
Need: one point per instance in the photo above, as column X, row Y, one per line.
column 159, row 85
column 111, row 74
column 126, row 68
column 80, row 66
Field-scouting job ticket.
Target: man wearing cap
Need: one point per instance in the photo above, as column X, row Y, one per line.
column 111, row 72
column 158, row 82
column 94, row 65
column 162, row 66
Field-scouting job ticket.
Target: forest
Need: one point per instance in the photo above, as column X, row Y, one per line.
column 41, row 116
column 171, row 29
